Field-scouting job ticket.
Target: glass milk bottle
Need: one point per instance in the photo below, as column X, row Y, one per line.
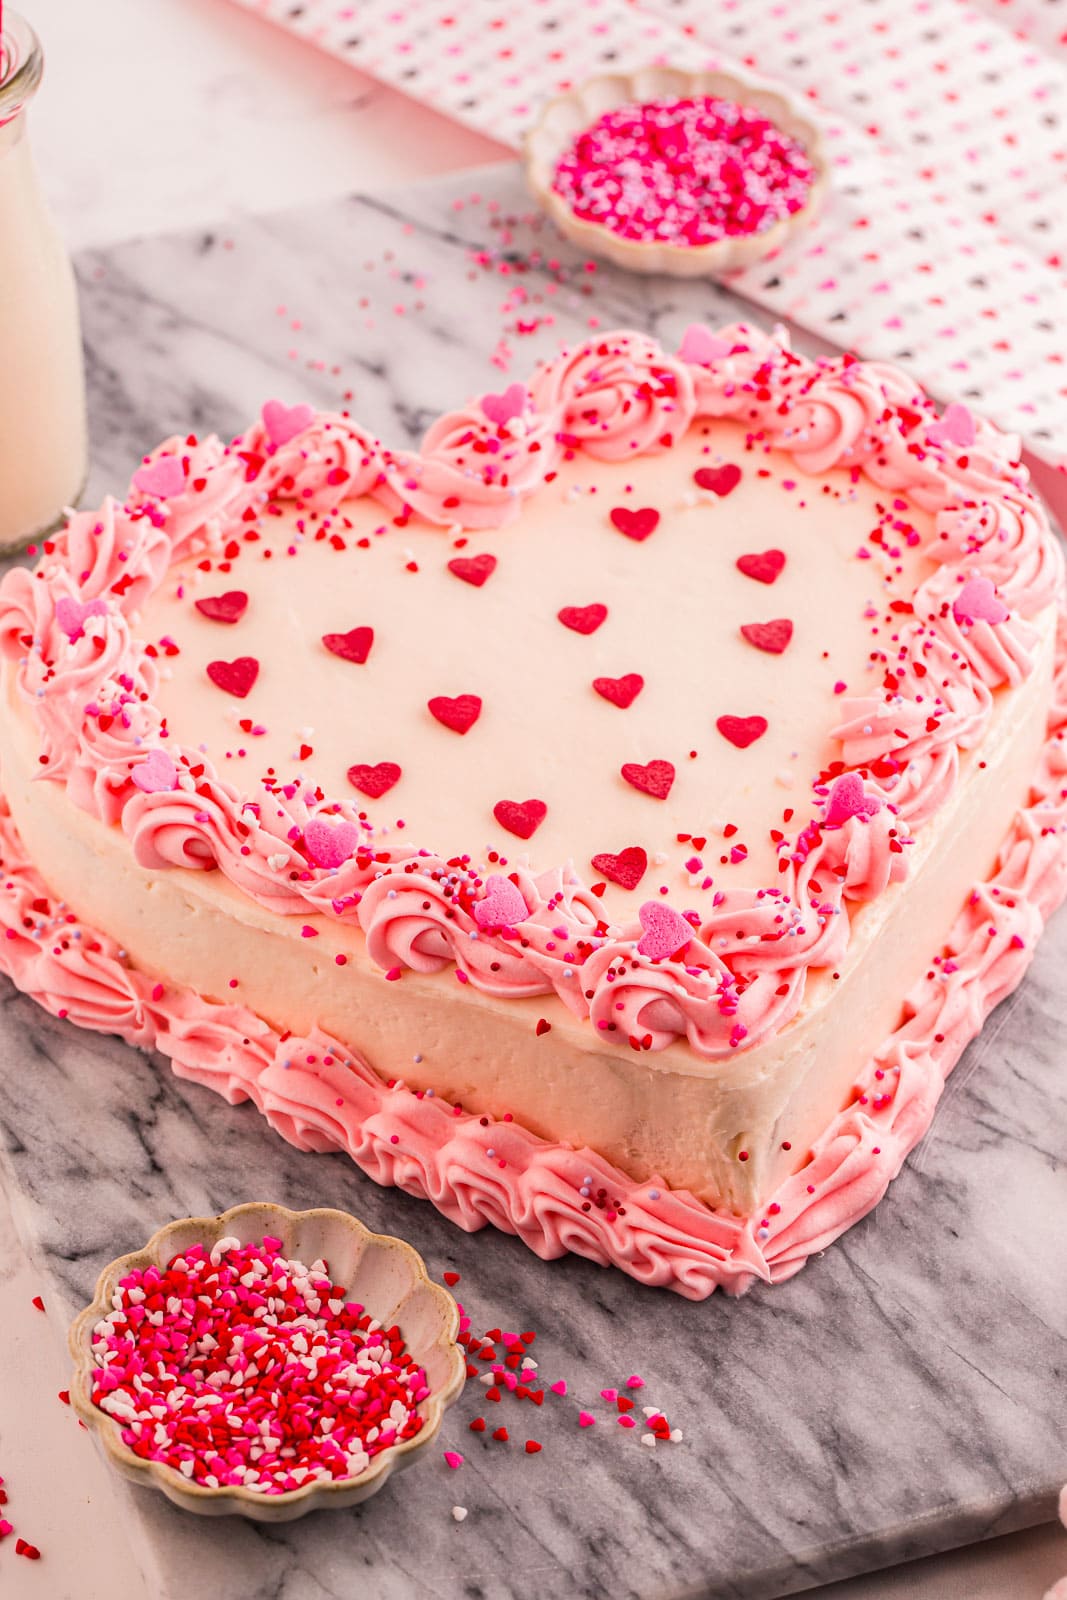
column 43, row 448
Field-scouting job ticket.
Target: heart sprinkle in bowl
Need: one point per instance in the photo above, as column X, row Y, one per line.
column 217, row 1366
column 688, row 173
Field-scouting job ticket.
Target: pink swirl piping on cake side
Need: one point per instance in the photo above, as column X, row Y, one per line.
column 322, row 1097
column 611, row 398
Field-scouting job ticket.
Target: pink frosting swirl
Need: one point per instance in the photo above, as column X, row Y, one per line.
column 618, row 397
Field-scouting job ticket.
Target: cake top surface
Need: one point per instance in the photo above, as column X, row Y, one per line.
column 608, row 718
column 530, row 717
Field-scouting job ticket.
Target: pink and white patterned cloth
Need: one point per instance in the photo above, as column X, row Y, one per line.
column 944, row 243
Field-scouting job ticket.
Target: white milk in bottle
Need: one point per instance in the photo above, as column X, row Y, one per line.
column 43, row 449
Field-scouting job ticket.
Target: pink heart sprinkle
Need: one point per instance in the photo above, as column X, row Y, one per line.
column 585, row 1420
column 284, row 422
column 666, row 931
column 848, row 799
column 156, row 774
column 71, row 615
column 764, row 566
column 582, row 619
column 700, row 346
column 742, row 731
column 458, row 713
column 503, row 905
column 770, row 636
column 520, row 817
column 627, row 868
column 956, row 427
column 473, row 569
column 559, row 1387
column 163, row 478
column 635, row 524
column 978, row 601
column 236, row 677
column 355, row 645
column 454, row 1459
column 331, row 844
column 719, row 480
column 620, row 691
column 228, row 607
column 654, row 778
column 374, row 780
column 500, row 408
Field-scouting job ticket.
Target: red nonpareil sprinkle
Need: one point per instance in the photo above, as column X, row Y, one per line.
column 242, row 1367
column 685, row 171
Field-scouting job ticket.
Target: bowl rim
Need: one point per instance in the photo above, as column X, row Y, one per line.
column 726, row 254
column 320, row 1491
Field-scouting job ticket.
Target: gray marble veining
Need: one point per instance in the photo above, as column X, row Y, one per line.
column 899, row 1397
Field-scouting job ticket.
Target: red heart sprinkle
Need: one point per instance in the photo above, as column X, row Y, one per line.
column 583, row 619
column 226, row 607
column 543, row 1027
column 742, row 731
column 459, row 713
column 236, row 677
column 451, row 1278
column 655, row 778
column 720, row 480
column 532, row 1447
column 620, row 691
column 500, row 1433
column 627, row 868
column 635, row 524
column 520, row 817
column 770, row 636
column 351, row 646
column 374, row 780
column 478, row 1425
column 473, row 569
column 764, row 567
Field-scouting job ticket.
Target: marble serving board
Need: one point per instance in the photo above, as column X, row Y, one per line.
column 899, row 1397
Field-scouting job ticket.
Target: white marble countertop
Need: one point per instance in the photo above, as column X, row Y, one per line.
column 232, row 118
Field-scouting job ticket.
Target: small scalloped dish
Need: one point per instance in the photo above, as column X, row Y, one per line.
column 563, row 118
column 384, row 1273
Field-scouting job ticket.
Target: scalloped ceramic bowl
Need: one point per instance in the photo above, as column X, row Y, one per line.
column 568, row 114
column 385, row 1274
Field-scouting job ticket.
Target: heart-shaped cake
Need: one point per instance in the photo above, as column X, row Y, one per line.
column 609, row 894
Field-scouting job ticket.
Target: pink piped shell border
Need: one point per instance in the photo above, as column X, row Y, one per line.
column 428, row 1148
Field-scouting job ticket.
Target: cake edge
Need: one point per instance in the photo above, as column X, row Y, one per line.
column 328, row 1099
